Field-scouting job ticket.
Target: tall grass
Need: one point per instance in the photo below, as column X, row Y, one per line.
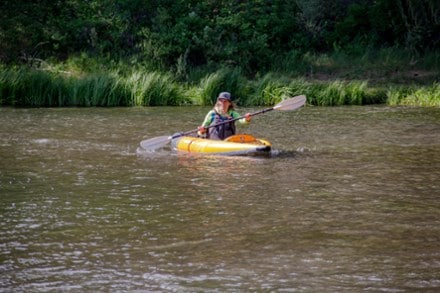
column 36, row 88
column 337, row 93
column 154, row 89
column 26, row 88
column 116, row 86
column 271, row 89
column 92, row 90
column 426, row 96
column 21, row 87
column 7, row 83
column 224, row 79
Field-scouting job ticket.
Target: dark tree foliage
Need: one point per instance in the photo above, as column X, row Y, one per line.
column 248, row 34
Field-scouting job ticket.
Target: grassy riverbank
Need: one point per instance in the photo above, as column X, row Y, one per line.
column 385, row 77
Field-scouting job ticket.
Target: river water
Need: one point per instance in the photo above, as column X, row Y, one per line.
column 349, row 201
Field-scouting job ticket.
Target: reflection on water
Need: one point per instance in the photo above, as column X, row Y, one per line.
column 347, row 202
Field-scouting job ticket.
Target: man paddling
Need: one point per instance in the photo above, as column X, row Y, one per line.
column 223, row 111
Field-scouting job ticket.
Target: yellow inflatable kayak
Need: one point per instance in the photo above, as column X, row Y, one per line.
column 236, row 145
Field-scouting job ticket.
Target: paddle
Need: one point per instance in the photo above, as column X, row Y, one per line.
column 286, row 105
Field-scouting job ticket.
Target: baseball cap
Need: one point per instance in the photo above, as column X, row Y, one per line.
column 224, row 95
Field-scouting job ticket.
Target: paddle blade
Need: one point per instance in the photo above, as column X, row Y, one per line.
column 155, row 143
column 291, row 104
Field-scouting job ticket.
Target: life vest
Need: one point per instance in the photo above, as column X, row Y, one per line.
column 221, row 131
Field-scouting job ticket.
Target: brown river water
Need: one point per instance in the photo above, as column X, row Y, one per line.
column 349, row 201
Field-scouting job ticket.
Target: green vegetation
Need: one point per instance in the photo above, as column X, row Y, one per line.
column 415, row 96
column 26, row 87
column 153, row 53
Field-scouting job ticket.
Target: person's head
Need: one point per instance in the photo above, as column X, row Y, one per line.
column 224, row 102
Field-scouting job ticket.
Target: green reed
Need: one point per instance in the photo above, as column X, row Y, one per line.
column 269, row 90
column 37, row 88
column 153, row 89
column 224, row 79
column 29, row 88
column 25, row 87
column 426, row 96
column 337, row 93
column 6, row 85
column 272, row 88
column 81, row 91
